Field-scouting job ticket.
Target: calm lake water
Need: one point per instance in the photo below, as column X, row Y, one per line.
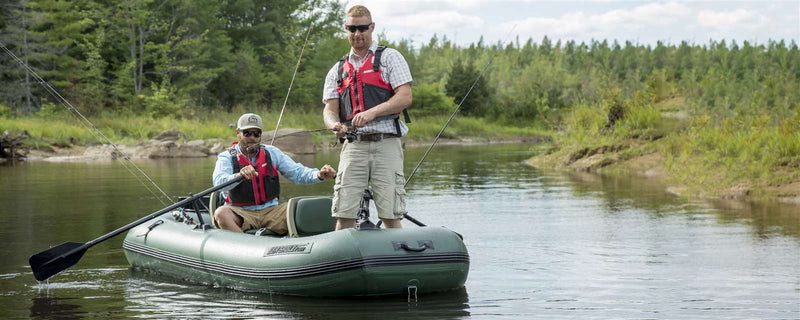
column 542, row 245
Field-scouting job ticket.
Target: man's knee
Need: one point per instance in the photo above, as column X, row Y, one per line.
column 392, row 223
column 344, row 223
column 226, row 217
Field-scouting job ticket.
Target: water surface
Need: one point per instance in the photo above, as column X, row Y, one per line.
column 542, row 244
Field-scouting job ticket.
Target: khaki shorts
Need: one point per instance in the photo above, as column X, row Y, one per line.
column 378, row 164
column 272, row 218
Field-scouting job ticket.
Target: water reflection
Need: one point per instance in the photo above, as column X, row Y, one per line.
column 767, row 218
column 157, row 296
column 617, row 193
column 53, row 307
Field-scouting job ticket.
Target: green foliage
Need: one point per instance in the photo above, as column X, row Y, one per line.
column 161, row 103
column 244, row 81
column 747, row 148
column 582, row 125
column 430, row 100
column 51, row 110
column 459, row 82
column 5, row 112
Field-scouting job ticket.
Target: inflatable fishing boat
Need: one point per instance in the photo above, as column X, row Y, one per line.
column 312, row 260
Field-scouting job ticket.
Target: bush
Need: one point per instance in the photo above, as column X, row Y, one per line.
column 429, row 100
column 161, row 103
column 5, row 112
column 50, row 110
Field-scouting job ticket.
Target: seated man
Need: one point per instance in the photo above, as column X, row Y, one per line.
column 253, row 203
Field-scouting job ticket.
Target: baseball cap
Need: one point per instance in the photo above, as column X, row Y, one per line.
column 248, row 121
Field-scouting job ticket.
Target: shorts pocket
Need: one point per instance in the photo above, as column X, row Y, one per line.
column 336, row 198
column 399, row 179
column 399, row 201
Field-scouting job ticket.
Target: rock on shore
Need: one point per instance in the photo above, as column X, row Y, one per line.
column 173, row 144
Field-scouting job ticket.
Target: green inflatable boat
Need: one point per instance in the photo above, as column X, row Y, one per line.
column 312, row 260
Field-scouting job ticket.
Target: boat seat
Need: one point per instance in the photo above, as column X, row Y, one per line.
column 308, row 216
column 214, row 200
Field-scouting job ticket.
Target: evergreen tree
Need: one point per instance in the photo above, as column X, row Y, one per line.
column 459, row 82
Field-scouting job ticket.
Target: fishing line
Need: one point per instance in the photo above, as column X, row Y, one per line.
column 302, row 131
column 88, row 124
column 296, row 67
column 455, row 111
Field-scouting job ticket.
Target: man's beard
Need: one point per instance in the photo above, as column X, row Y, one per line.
column 249, row 148
column 360, row 45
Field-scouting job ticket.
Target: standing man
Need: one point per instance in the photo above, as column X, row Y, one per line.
column 253, row 203
column 366, row 91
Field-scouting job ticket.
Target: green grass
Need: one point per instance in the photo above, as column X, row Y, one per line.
column 707, row 153
column 756, row 150
column 55, row 127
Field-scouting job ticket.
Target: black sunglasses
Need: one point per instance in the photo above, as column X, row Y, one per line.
column 362, row 28
column 254, row 133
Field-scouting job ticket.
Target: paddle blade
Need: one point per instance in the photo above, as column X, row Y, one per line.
column 47, row 263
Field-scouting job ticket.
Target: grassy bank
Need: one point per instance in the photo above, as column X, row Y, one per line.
column 55, row 127
column 740, row 156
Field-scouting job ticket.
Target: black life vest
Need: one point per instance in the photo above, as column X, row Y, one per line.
column 362, row 89
column 258, row 190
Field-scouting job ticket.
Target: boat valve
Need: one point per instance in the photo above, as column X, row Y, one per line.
column 412, row 290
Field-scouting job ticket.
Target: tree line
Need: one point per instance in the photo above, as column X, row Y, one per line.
column 181, row 57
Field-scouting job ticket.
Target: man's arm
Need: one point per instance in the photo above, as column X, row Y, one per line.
column 223, row 171
column 331, row 117
column 295, row 172
column 400, row 100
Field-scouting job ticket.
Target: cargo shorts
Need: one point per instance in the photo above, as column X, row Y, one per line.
column 378, row 164
column 272, row 218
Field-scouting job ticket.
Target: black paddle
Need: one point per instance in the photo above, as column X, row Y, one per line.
column 47, row 263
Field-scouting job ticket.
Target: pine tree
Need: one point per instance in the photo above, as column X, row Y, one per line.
column 459, row 82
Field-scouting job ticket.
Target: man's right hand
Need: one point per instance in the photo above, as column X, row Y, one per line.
column 339, row 130
column 248, row 172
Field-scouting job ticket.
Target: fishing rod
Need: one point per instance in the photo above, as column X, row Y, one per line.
column 302, row 131
column 296, row 67
column 89, row 125
column 453, row 115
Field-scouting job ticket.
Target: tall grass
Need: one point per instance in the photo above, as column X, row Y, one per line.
column 709, row 153
column 588, row 125
column 744, row 148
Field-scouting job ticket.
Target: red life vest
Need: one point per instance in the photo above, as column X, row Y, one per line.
column 258, row 190
column 362, row 89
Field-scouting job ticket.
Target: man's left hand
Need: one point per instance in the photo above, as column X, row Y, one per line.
column 326, row 172
column 362, row 118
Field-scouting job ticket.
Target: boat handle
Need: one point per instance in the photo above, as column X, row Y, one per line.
column 407, row 248
column 423, row 246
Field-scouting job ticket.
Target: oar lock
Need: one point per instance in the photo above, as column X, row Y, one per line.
column 181, row 216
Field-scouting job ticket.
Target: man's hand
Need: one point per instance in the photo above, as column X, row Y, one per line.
column 362, row 118
column 248, row 172
column 326, row 172
column 339, row 130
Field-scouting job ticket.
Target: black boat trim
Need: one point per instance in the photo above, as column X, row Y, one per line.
column 295, row 272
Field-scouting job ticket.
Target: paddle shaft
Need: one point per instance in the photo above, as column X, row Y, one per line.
column 160, row 212
column 82, row 248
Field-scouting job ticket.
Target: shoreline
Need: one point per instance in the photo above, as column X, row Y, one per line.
column 173, row 148
column 610, row 160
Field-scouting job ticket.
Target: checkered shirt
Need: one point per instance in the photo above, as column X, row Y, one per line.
column 394, row 71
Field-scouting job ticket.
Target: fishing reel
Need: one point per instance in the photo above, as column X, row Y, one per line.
column 350, row 135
